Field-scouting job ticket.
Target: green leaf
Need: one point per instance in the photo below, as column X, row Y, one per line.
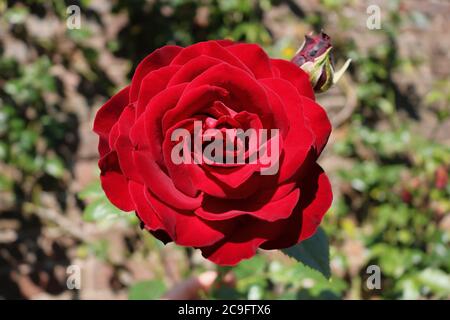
column 54, row 167
column 250, row 267
column 313, row 252
column 92, row 191
column 147, row 290
column 437, row 280
column 100, row 209
column 249, row 273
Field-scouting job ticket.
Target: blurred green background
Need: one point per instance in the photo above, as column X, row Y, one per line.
column 388, row 157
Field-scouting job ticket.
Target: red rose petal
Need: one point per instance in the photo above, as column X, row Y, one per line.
column 296, row 76
column 184, row 227
column 230, row 253
column 247, row 94
column 261, row 208
column 157, row 59
column 192, row 69
column 152, row 120
column 107, row 116
column 225, row 42
column 314, row 205
column 177, row 172
column 299, row 139
column 318, row 122
column 254, row 57
column 161, row 184
column 144, row 209
column 211, row 49
column 193, row 101
column 152, row 84
column 114, row 182
column 124, row 147
column 315, row 200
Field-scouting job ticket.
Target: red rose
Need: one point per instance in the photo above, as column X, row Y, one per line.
column 227, row 211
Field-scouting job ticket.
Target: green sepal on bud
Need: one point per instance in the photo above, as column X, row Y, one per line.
column 315, row 58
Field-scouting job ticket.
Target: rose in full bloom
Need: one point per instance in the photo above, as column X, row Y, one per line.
column 226, row 211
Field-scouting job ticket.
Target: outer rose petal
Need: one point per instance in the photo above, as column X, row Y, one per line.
column 146, row 214
column 152, row 117
column 107, row 116
column 318, row 122
column 152, row 84
column 315, row 205
column 252, row 233
column 157, row 59
column 211, row 49
column 161, row 184
column 314, row 202
column 123, row 146
column 296, row 76
column 192, row 69
column 242, row 242
column 184, row 227
column 299, row 139
column 254, row 57
column 114, row 182
column 225, row 42
column 143, row 208
column 230, row 253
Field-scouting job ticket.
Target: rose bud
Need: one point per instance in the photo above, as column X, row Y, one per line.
column 315, row 58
